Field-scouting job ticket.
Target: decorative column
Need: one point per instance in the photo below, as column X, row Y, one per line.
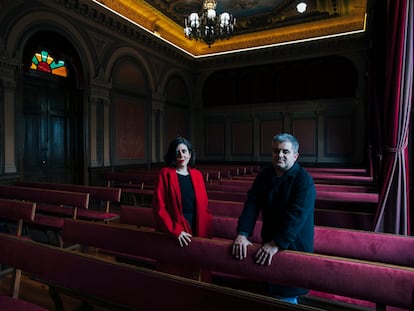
column 7, row 77
column 158, row 128
column 321, row 126
column 9, row 133
column 99, row 131
column 256, row 138
column 228, row 140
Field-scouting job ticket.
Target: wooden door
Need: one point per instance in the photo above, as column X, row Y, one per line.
column 48, row 153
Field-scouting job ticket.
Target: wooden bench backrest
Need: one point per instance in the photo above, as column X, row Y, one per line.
column 343, row 179
column 136, row 216
column 385, row 248
column 58, row 197
column 322, row 195
column 17, row 210
column 244, row 186
column 345, row 201
column 339, row 170
column 125, row 285
column 95, row 192
column 321, row 273
column 332, row 214
column 226, row 195
column 129, row 177
column 21, row 212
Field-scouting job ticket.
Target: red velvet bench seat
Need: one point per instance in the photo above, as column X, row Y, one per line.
column 14, row 304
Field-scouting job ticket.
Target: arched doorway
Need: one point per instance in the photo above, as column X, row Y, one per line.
column 52, row 113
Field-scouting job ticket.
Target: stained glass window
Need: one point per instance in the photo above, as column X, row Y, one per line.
column 44, row 62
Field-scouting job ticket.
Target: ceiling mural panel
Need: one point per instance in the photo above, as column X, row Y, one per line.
column 259, row 23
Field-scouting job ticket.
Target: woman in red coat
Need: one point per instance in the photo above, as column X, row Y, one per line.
column 180, row 201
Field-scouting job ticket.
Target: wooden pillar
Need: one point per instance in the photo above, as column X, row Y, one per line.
column 158, row 128
column 100, row 121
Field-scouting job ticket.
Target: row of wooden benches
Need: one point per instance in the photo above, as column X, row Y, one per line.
column 135, row 182
column 354, row 245
column 123, row 240
column 347, row 206
column 145, row 179
column 323, row 175
column 55, row 202
column 214, row 174
column 42, row 207
column 99, row 281
column 117, row 286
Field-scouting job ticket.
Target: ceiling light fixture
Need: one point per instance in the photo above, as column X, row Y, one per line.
column 208, row 27
column 301, row 7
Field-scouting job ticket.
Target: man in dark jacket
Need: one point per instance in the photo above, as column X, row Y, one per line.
column 285, row 195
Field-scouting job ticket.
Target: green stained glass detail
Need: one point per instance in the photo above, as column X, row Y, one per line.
column 44, row 62
column 34, row 60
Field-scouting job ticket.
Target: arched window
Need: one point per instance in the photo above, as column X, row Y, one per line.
column 42, row 61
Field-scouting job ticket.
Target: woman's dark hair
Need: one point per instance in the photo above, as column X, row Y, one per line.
column 170, row 157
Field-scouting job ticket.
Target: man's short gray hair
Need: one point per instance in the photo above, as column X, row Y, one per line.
column 286, row 137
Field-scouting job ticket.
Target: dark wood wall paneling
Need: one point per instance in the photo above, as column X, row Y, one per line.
column 130, row 108
column 177, row 110
column 315, row 99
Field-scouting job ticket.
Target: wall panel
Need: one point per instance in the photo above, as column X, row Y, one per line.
column 339, row 136
column 304, row 130
column 242, row 141
column 130, row 128
column 268, row 129
column 178, row 122
column 215, row 138
column 325, row 130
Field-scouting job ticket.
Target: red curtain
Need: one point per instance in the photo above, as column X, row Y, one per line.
column 393, row 208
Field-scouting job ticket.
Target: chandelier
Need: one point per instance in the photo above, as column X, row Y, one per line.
column 208, row 27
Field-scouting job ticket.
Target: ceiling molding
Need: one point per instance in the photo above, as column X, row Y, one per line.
column 346, row 17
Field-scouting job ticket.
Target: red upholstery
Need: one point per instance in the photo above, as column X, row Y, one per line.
column 16, row 210
column 317, row 272
column 339, row 170
column 381, row 247
column 99, row 193
column 132, row 177
column 244, row 186
column 49, row 221
column 66, row 198
column 81, row 213
column 344, row 219
column 226, row 195
column 137, row 216
column 350, row 197
column 125, row 285
column 13, row 304
column 57, row 210
column 386, row 248
column 324, row 199
column 96, row 215
column 226, row 208
column 229, row 187
column 323, row 217
column 346, row 188
column 320, row 177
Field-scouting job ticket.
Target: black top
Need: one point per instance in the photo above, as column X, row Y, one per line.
column 287, row 206
column 187, row 198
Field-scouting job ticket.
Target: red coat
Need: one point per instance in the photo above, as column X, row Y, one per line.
column 167, row 205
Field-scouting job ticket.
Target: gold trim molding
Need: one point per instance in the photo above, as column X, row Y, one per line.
column 139, row 12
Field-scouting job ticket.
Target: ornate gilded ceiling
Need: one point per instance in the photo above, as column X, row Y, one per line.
column 260, row 23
